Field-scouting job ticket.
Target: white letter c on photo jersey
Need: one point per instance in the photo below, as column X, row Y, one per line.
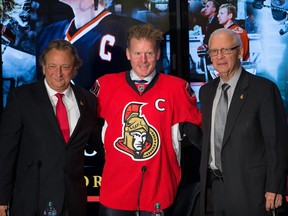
column 109, row 40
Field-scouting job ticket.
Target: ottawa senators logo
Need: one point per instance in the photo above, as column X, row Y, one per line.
column 140, row 140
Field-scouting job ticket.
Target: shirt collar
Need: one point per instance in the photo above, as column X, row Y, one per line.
column 52, row 92
column 148, row 78
column 211, row 19
column 233, row 81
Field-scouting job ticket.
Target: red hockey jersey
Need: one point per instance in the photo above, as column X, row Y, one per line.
column 244, row 39
column 142, row 130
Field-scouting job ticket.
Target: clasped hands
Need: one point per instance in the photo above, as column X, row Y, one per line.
column 270, row 197
column 3, row 209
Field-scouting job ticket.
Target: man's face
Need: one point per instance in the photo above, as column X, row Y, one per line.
column 139, row 140
column 225, row 64
column 209, row 9
column 223, row 16
column 143, row 56
column 58, row 69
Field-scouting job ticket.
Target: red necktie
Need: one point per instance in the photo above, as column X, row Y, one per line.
column 61, row 115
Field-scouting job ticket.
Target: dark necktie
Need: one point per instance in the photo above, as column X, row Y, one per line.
column 61, row 115
column 207, row 27
column 140, row 81
column 219, row 124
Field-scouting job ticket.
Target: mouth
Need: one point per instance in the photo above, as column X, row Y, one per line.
column 58, row 79
column 144, row 67
column 221, row 64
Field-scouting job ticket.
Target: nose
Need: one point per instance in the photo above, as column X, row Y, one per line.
column 220, row 54
column 58, row 71
column 144, row 57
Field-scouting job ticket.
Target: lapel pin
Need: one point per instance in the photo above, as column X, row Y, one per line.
column 81, row 103
column 241, row 96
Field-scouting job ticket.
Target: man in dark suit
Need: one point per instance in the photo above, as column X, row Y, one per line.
column 248, row 177
column 210, row 11
column 37, row 164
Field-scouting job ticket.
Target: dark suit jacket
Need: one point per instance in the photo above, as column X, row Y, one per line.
column 35, row 161
column 254, row 149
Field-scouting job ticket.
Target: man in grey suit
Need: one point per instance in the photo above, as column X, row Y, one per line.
column 248, row 178
column 37, row 164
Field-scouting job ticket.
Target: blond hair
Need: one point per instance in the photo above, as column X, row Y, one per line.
column 145, row 31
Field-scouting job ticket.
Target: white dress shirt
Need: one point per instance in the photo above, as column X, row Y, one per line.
column 232, row 82
column 70, row 103
column 134, row 76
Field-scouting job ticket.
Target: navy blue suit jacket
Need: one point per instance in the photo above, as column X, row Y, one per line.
column 254, row 152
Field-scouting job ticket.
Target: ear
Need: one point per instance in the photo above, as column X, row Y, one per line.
column 127, row 54
column 241, row 51
column 158, row 54
column 74, row 72
column 230, row 16
column 43, row 68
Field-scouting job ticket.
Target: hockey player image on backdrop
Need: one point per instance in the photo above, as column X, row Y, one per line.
column 98, row 35
column 210, row 11
column 18, row 61
column 226, row 16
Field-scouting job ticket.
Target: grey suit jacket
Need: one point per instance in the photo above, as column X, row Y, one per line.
column 36, row 164
column 254, row 152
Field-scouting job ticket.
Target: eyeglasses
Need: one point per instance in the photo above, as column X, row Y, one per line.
column 224, row 51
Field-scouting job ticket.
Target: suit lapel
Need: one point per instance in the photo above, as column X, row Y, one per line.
column 42, row 98
column 44, row 103
column 211, row 93
column 238, row 100
column 81, row 101
column 209, row 105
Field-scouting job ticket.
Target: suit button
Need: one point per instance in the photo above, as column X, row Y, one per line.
column 30, row 163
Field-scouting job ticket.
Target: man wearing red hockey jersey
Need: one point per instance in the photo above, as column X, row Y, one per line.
column 145, row 115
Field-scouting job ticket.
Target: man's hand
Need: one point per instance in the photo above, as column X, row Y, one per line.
column 3, row 210
column 270, row 201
